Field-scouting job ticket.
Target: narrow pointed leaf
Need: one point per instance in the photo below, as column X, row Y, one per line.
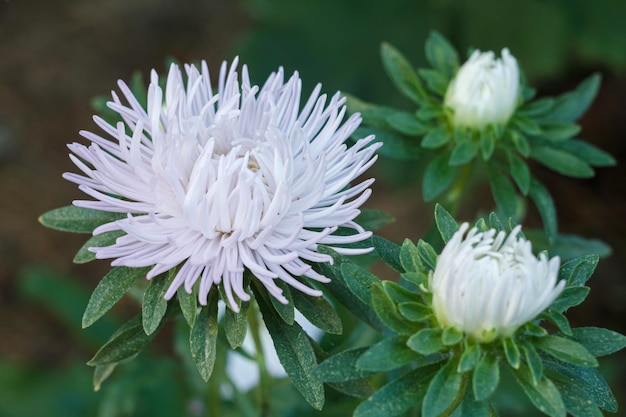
column 566, row 350
column 236, row 325
column 319, row 312
column 203, row 337
column 445, row 223
column 438, row 177
column 598, row 341
column 342, row 367
column 77, row 219
column 485, row 377
column 544, row 395
column 154, row 304
column 84, row 255
column 388, row 354
column 442, row 390
column 402, row 74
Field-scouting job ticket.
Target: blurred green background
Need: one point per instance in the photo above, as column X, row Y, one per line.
column 55, row 56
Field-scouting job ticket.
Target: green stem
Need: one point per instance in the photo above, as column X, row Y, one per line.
column 452, row 198
column 459, row 397
column 213, row 398
column 264, row 383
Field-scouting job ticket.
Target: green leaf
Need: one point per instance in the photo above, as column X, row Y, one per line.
column 285, row 311
column 577, row 400
column 359, row 280
column 397, row 396
column 342, row 367
column 598, row 341
column 389, row 252
column 544, row 395
column 372, row 219
column 446, row 224
column 436, row 138
column 519, row 172
column 485, row 377
column 503, row 193
column 409, row 257
column 577, row 271
column 441, row 55
column 388, row 354
column 415, row 311
column 236, row 325
column 430, row 111
column 463, row 152
column 101, row 373
column 435, row 81
column 128, row 341
column 526, row 125
column 558, row 131
column 84, row 255
column 558, row 319
column 427, row 253
column 319, row 312
column 542, row 199
column 388, row 312
column 470, row 357
column 438, row 177
column 520, row 142
column 570, row 297
column 402, row 74
column 203, row 337
column 587, row 152
column 471, row 408
column 395, row 145
column 398, row 293
column 442, row 390
column 511, row 351
column 537, row 107
column 154, row 304
column 567, row 246
column 188, row 303
column 533, row 361
column 566, row 350
column 451, row 336
column 108, row 292
column 570, row 106
column 426, row 341
column 487, row 144
column 294, row 351
column 77, row 219
column 562, row 162
column 406, row 123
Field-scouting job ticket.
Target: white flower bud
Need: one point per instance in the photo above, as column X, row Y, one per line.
column 484, row 91
column 489, row 285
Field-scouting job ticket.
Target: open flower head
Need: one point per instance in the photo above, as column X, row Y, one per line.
column 214, row 183
column 487, row 285
column 484, row 91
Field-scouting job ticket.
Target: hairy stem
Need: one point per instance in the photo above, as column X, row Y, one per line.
column 264, row 383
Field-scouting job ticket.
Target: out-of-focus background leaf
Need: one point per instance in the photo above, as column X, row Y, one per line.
column 57, row 55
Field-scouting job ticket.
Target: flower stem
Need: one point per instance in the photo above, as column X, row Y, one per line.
column 459, row 397
column 264, row 383
column 213, row 397
column 452, row 198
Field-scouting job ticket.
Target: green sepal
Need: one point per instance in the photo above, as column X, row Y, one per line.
column 426, row 341
column 511, row 352
column 293, row 349
column 417, row 278
column 438, row 176
column 84, row 255
column 485, row 377
column 342, row 367
column 154, row 305
column 598, row 341
column 451, row 336
column 319, row 312
column 388, row 354
column 415, row 311
column 470, row 357
column 442, row 390
column 77, row 219
column 109, row 290
column 544, row 395
column 446, row 224
column 398, row 395
column 566, row 350
column 402, row 74
column 436, row 138
column 236, row 325
column 441, row 55
column 203, row 337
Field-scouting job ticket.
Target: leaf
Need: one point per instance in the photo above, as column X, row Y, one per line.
column 402, row 74
column 372, row 219
column 436, row 138
column 441, row 54
column 533, row 361
column 566, row 350
column 319, row 312
column 409, row 257
column 438, row 177
column 587, row 152
column 542, row 199
column 84, row 255
column 485, row 377
column 570, row 106
column 446, row 224
column 558, row 319
column 519, row 172
column 442, row 390
column 544, row 395
column 435, row 81
column 537, row 107
column 511, row 351
column 397, row 396
column 101, row 373
column 395, row 145
column 388, row 312
column 472, row 408
column 427, row 253
column 406, row 123
column 236, row 325
column 451, row 336
column 526, row 125
column 154, row 304
column 388, row 354
column 567, row 246
column 128, row 341
column 77, row 219
column 470, row 357
column 578, row 270
column 562, row 162
column 415, row 311
column 203, row 337
column 342, row 367
column 188, row 304
column 463, row 152
column 359, row 280
column 570, row 297
column 389, row 252
column 294, row 351
column 108, row 292
column 520, row 142
column 598, row 341
column 426, row 341
column 487, row 144
column 503, row 193
column 285, row 311
column 559, row 131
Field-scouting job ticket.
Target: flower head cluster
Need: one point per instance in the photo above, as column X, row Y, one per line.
column 484, row 91
column 487, row 285
column 214, row 183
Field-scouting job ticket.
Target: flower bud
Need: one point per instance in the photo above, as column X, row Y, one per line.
column 487, row 285
column 484, row 91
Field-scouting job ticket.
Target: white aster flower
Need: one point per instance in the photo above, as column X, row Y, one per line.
column 488, row 285
column 216, row 183
column 484, row 91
